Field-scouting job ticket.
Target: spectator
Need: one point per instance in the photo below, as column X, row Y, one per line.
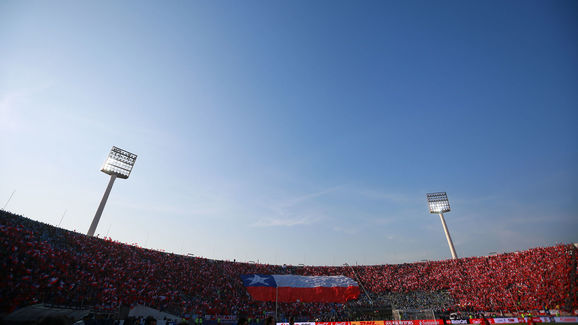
column 150, row 321
column 42, row 263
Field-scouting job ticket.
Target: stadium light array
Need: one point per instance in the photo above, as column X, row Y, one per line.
column 119, row 163
column 438, row 203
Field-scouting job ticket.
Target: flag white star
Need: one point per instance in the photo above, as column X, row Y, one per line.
column 257, row 279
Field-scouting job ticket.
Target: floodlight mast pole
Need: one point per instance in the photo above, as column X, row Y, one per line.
column 438, row 203
column 448, row 237
column 96, row 219
column 119, row 163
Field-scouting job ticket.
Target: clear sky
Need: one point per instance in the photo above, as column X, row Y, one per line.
column 295, row 131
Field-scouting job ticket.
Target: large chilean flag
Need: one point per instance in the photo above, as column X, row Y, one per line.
column 292, row 288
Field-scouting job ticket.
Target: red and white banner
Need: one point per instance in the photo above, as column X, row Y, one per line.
column 414, row 322
column 566, row 319
column 501, row 320
column 371, row 322
column 398, row 322
column 508, row 320
column 221, row 317
column 428, row 322
column 298, row 288
column 542, row 319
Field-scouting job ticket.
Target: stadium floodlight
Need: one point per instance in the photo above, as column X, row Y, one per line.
column 119, row 163
column 438, row 203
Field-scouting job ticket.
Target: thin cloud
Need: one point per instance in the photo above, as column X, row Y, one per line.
column 300, row 199
column 205, row 210
column 373, row 194
column 290, row 213
column 285, row 222
column 8, row 108
column 385, row 221
column 10, row 104
column 347, row 230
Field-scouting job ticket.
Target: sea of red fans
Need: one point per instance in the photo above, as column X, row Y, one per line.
column 42, row 263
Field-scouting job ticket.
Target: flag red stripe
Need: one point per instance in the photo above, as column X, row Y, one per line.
column 262, row 293
column 316, row 294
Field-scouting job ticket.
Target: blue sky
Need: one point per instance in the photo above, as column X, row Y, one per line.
column 295, row 131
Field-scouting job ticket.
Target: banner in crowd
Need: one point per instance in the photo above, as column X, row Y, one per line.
column 401, row 322
column 298, row 288
column 221, row 317
column 368, row 323
column 428, row 322
column 398, row 322
column 542, row 319
column 503, row 320
column 378, row 322
column 493, row 320
column 508, row 320
column 566, row 319
column 514, row 320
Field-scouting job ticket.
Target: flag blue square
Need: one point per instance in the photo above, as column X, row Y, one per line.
column 258, row 280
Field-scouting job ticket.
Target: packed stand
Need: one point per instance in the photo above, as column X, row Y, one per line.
column 42, row 263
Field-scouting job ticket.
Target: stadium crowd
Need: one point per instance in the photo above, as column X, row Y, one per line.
column 42, row 263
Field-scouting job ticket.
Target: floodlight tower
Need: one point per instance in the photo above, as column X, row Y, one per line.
column 119, row 164
column 439, row 203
